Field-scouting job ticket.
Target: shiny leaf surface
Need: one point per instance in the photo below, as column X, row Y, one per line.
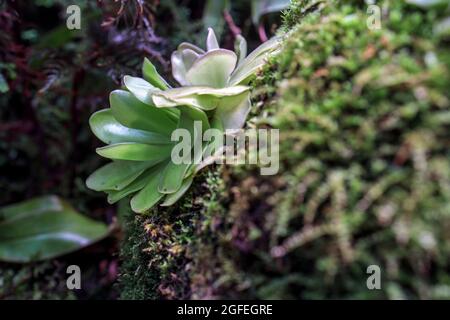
column 44, row 228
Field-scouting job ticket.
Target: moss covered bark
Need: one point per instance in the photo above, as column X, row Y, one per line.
column 364, row 125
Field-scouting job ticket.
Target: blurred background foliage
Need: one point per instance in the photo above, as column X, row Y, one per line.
column 364, row 178
column 52, row 79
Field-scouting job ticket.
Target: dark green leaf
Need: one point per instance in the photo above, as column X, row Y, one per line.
column 174, row 197
column 44, row 228
column 151, row 75
column 109, row 130
column 135, row 186
column 135, row 152
column 140, row 88
column 116, row 175
column 232, row 111
column 149, row 196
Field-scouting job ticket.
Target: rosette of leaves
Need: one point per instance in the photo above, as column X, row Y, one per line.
column 139, row 123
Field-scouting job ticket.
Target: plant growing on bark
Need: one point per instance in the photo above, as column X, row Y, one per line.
column 139, row 123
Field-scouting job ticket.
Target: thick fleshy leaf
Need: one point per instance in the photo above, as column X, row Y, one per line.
column 197, row 160
column 135, row 152
column 246, row 71
column 187, row 45
column 173, row 174
column 255, row 60
column 135, row 186
column 116, row 175
column 188, row 117
column 109, row 130
column 178, row 68
column 213, row 69
column 211, row 40
column 133, row 113
column 140, row 88
column 44, row 228
column 189, row 57
column 149, row 196
column 240, row 47
column 270, row 45
column 182, row 61
column 232, row 111
column 202, row 90
column 151, row 75
column 170, row 199
column 204, row 98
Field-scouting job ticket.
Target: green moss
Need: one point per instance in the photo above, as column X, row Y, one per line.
column 136, row 281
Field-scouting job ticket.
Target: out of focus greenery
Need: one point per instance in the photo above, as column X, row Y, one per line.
column 44, row 228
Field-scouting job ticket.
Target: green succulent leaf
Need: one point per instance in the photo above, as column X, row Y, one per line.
column 189, row 56
column 182, row 60
column 265, row 48
column 232, row 111
column 213, row 69
column 116, row 175
column 173, row 174
column 240, row 47
column 187, row 45
column 211, row 40
column 140, row 88
column 171, row 199
column 178, row 68
column 149, row 196
column 172, row 177
column 132, row 113
column 135, row 152
column 246, row 71
column 254, row 61
column 188, row 116
column 44, row 228
column 133, row 187
column 151, row 75
column 109, row 130
column 170, row 100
